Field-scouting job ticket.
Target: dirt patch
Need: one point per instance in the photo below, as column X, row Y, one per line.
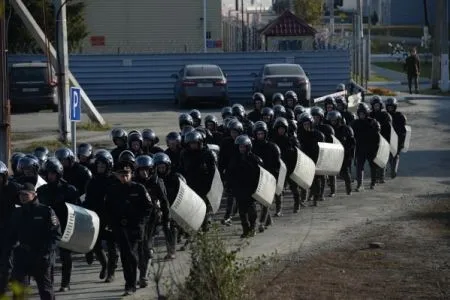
column 412, row 263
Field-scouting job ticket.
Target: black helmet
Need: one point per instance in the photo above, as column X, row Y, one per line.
column 15, row 157
column 259, row 97
column 340, row 87
column 226, row 112
column 104, row 156
column 173, row 136
column 260, row 126
column 298, row 110
column 281, row 122
column 291, row 95
column 53, row 165
column 42, row 154
column 85, row 149
column 127, row 157
column 341, row 100
column 149, row 134
column 238, row 110
column 65, row 153
column 267, row 111
column 185, row 131
column 278, row 97
column 211, row 119
column 196, row 117
column 29, row 161
column 193, row 137
column 204, row 132
column 391, row 101
column 334, row 115
column 227, row 121
column 305, row 117
column 376, row 100
column 279, row 110
column 144, row 161
column 363, row 107
column 317, row 111
column 161, row 158
column 236, row 125
column 244, row 140
column 119, row 133
column 329, row 100
column 185, row 119
column 289, row 114
column 134, row 136
column 4, row 170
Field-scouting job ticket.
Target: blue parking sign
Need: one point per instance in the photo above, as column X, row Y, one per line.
column 75, row 104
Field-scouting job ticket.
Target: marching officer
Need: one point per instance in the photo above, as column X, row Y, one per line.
column 37, row 229
column 184, row 120
column 342, row 107
column 14, row 160
column 28, row 169
column 291, row 99
column 95, row 201
column 135, row 142
column 196, row 117
column 243, row 175
column 41, row 154
column 212, row 126
column 128, row 205
column 398, row 122
column 226, row 112
column 366, row 131
column 329, row 104
column 239, row 113
column 150, row 142
column 55, row 194
column 74, row 173
column 345, row 135
column 173, row 141
column 277, row 99
column 259, row 101
column 119, row 138
column 85, row 155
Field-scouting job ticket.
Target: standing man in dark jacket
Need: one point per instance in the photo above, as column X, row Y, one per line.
column 37, row 229
column 412, row 68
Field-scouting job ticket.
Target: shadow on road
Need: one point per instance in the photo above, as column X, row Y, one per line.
column 413, row 164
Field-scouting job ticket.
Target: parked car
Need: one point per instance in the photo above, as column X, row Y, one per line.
column 200, row 84
column 280, row 78
column 32, row 86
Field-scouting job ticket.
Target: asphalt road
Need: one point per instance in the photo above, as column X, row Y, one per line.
column 423, row 172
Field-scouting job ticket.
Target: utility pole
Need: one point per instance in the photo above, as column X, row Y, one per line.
column 444, row 46
column 331, row 8
column 368, row 43
column 63, row 72
column 205, row 40
column 360, row 39
column 436, row 60
column 5, row 130
column 244, row 33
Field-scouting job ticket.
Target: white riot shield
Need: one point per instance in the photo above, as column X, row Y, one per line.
column 331, row 157
column 407, row 139
column 265, row 191
column 188, row 209
column 81, row 229
column 393, row 142
column 354, row 100
column 281, row 178
column 384, row 149
column 215, row 193
column 214, row 148
column 304, row 171
column 40, row 182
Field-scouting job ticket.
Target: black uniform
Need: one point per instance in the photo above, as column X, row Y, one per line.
column 174, row 157
column 328, row 132
column 227, row 150
column 151, row 150
column 78, row 176
column 116, row 153
column 37, row 229
column 128, row 206
column 346, row 136
column 56, row 195
column 385, row 121
column 398, row 122
column 255, row 115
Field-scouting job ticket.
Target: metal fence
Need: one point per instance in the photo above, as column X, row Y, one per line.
column 147, row 77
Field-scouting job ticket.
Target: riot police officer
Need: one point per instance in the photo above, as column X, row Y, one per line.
column 268, row 116
column 310, row 137
column 366, row 131
column 259, row 101
column 85, row 155
column 119, row 137
column 270, row 155
column 41, row 154
column 56, row 193
column 197, row 165
column 345, row 135
column 239, row 113
column 135, row 142
column 74, row 173
column 212, row 125
column 95, row 200
column 196, row 117
column 28, row 169
column 128, row 205
column 184, row 120
column 329, row 104
column 37, row 229
column 291, row 99
column 173, row 141
column 150, row 142
column 398, row 122
column 14, row 160
column 288, row 146
column 342, row 107
column 385, row 120
column 243, row 175
column 277, row 99
column 226, row 112
column 298, row 110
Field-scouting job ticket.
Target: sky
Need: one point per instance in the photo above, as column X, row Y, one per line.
column 230, row 4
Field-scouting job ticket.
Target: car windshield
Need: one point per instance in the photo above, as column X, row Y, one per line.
column 199, row 71
column 31, row 74
column 283, row 70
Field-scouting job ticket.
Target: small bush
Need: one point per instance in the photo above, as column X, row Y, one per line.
column 381, row 91
column 90, row 126
column 52, row 145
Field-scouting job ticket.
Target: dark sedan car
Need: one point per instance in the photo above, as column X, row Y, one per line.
column 200, row 83
column 280, row 78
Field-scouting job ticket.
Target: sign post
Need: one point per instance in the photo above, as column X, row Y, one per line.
column 75, row 114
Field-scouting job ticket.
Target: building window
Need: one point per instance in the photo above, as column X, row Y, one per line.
column 289, row 45
column 208, row 35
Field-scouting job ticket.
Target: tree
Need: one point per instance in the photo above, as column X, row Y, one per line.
column 21, row 41
column 280, row 6
column 309, row 10
column 374, row 18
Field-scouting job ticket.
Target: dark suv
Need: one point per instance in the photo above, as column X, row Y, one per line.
column 32, row 86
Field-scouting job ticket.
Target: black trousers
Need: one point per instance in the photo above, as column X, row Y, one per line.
column 413, row 78
column 66, row 266
column 109, row 261
column 230, row 203
column 40, row 267
column 346, row 174
column 5, row 265
column 128, row 242
column 247, row 212
column 145, row 246
column 361, row 159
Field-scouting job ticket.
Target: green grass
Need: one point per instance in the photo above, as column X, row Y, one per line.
column 52, row 145
column 425, row 68
column 89, row 126
column 21, row 136
column 378, row 78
